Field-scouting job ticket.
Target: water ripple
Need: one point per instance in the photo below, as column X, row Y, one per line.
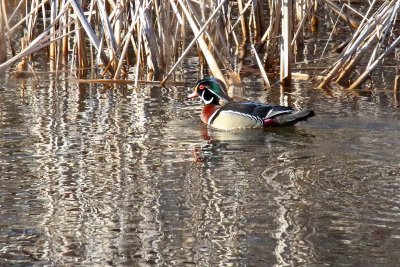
column 96, row 175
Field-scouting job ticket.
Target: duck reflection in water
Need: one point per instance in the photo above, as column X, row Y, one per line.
column 217, row 141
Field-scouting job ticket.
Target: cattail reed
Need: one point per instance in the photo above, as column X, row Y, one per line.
column 132, row 39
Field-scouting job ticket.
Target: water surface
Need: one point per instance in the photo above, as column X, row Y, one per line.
column 97, row 175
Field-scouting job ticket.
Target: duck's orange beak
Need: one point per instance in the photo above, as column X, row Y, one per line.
column 193, row 95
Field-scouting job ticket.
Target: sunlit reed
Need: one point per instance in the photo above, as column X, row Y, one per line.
column 148, row 40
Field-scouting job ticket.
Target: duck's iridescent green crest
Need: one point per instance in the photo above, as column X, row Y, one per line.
column 211, row 90
column 240, row 115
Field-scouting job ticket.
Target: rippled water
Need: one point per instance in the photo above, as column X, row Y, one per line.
column 97, row 175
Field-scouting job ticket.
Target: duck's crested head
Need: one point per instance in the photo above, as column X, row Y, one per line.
column 211, row 90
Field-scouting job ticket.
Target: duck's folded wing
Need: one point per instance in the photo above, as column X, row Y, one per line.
column 260, row 110
column 269, row 112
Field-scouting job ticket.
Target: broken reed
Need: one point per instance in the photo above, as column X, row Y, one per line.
column 136, row 39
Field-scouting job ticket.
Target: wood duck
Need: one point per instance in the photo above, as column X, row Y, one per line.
column 240, row 115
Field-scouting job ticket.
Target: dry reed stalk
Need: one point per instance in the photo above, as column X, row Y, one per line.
column 314, row 18
column 168, row 33
column 396, row 84
column 364, row 76
column 118, row 23
column 260, row 66
column 218, row 42
column 90, row 33
column 258, row 20
column 3, row 15
column 23, row 64
column 126, row 43
column 245, row 33
column 243, row 13
column 28, row 15
column 3, row 20
column 383, row 31
column 81, row 49
column 345, row 16
column 352, row 64
column 300, row 15
column 183, row 31
column 176, row 12
column 303, row 11
column 193, row 42
column 156, row 32
column 362, row 25
column 112, row 81
column 138, row 55
column 95, row 18
column 177, row 41
column 222, row 29
column 150, row 46
column 36, row 44
column 362, row 36
column 272, row 44
column 31, row 21
column 53, row 44
column 108, row 31
column 353, row 61
column 16, row 10
column 162, row 31
column 285, row 46
column 6, row 25
column 203, row 45
column 305, row 77
column 65, row 39
column 385, row 26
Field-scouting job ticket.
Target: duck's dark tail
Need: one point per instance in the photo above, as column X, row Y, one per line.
column 294, row 117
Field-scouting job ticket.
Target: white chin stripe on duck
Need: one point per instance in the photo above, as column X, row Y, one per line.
column 206, row 101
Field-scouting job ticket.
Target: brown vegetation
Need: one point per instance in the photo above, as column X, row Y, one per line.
column 135, row 39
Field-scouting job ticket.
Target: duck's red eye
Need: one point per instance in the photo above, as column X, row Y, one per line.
column 201, row 87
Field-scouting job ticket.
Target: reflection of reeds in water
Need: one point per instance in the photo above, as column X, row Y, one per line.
column 147, row 39
column 87, row 214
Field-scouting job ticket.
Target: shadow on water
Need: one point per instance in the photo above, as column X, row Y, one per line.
column 93, row 175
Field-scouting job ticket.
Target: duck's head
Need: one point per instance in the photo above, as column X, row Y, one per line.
column 211, row 91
